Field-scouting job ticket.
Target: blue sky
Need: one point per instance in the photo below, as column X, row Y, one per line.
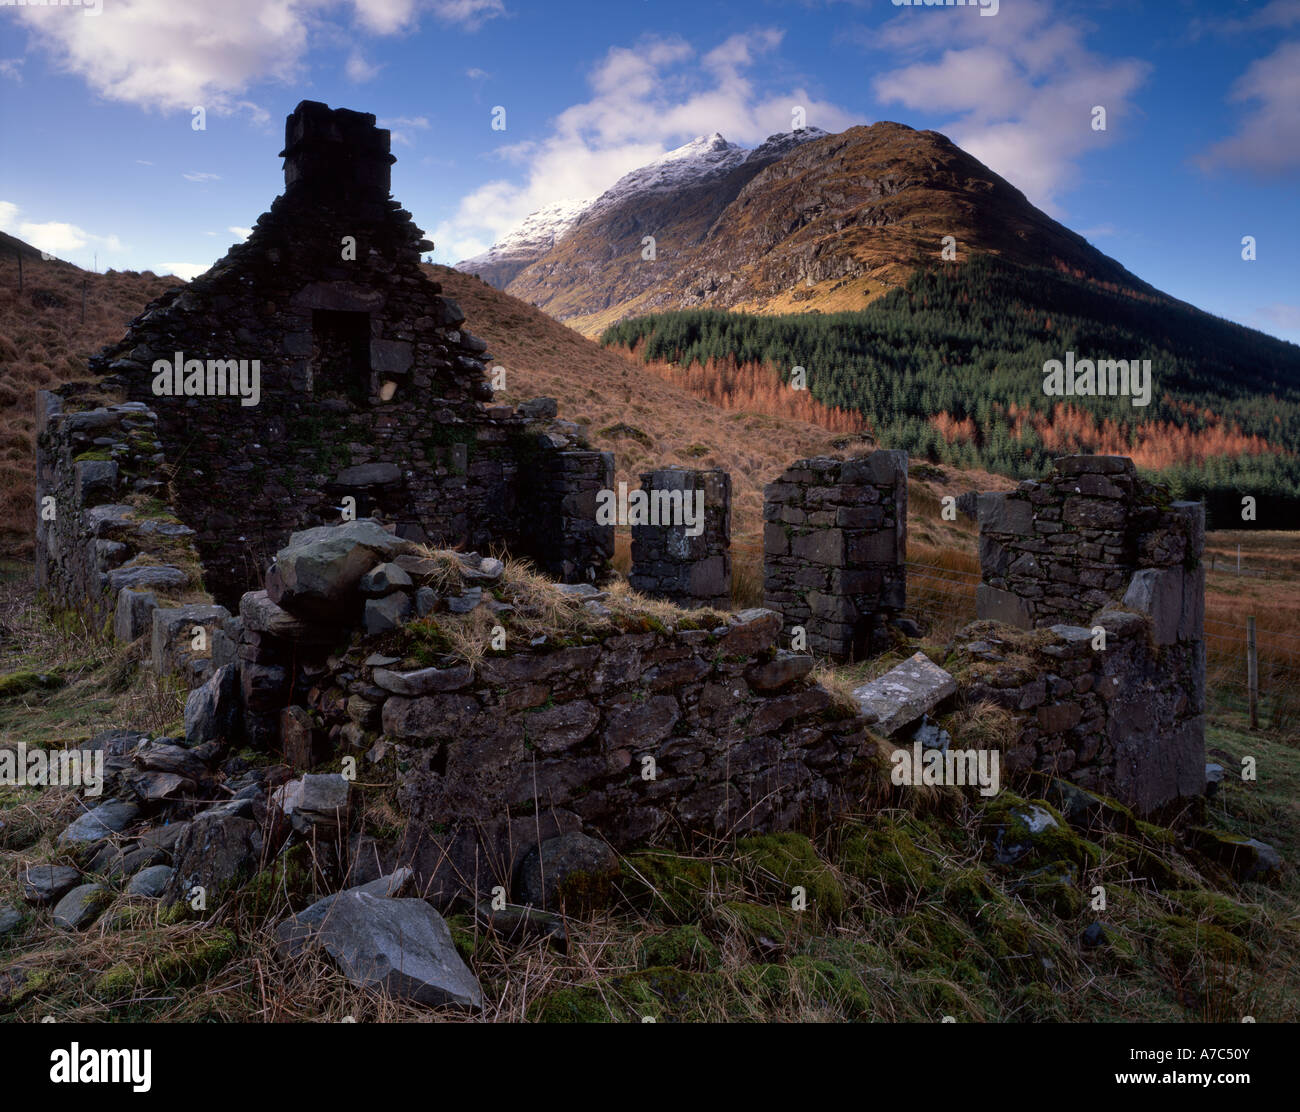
column 98, row 156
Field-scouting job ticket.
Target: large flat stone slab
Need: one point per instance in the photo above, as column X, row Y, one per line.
column 903, row 694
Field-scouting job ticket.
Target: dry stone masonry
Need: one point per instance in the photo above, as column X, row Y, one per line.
column 1107, row 567
column 316, row 370
column 835, row 546
column 668, row 561
column 632, row 732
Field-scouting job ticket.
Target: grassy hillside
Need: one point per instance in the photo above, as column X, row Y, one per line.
column 950, row 368
column 910, row 917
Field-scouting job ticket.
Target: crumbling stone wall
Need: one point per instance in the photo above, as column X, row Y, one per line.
column 669, row 563
column 1115, row 720
column 108, row 545
column 1057, row 550
column 633, row 734
column 371, row 387
column 1095, row 546
column 835, row 549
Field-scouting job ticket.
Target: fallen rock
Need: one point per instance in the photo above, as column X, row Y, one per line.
column 572, row 871
column 11, row 918
column 322, row 799
column 82, row 906
column 384, row 579
column 212, row 711
column 401, row 946
column 105, row 820
column 214, row 851
column 904, row 694
column 150, row 882
column 389, row 612
column 46, row 884
column 1246, row 858
column 295, row 933
column 318, row 572
column 515, row 923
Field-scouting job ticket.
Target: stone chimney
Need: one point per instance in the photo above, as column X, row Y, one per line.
column 336, row 151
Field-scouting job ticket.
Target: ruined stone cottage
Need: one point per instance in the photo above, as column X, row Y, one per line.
column 316, row 371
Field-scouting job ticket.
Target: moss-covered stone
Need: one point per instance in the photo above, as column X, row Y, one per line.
column 672, row 886
column 661, row 993
column 188, row 961
column 1031, row 833
column 684, row 947
column 1185, row 943
column 782, row 862
column 886, row 859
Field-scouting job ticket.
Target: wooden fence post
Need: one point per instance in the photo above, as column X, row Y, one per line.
column 1252, row 673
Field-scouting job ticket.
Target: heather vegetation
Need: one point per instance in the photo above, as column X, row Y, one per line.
column 950, row 368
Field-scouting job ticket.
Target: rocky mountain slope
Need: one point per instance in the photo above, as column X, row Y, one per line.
column 828, row 223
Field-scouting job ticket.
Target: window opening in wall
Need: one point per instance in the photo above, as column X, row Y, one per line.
column 340, row 353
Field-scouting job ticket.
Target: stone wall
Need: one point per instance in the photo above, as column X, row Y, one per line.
column 1119, row 720
column 835, row 548
column 1095, row 546
column 1059, row 549
column 370, row 386
column 629, row 731
column 108, row 545
column 669, row 563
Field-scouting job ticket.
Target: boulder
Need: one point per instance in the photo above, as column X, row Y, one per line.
column 47, row 884
column 322, row 800
column 572, row 871
column 105, row 820
column 390, row 612
column 82, row 906
column 904, row 694
column 214, row 851
column 11, row 918
column 426, row 681
column 318, row 572
column 401, row 946
column 150, row 882
column 384, row 579
column 212, row 711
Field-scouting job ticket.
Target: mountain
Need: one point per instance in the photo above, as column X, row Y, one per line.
column 805, row 221
column 524, row 244
column 674, row 198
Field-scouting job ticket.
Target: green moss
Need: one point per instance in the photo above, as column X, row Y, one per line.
column 1053, row 886
column 684, row 947
column 1198, row 903
column 767, row 929
column 289, row 881
column 465, row 935
column 886, row 859
column 196, row 959
column 782, row 862
column 1185, row 943
column 661, row 993
column 21, row 682
column 1129, row 857
column 670, row 885
column 95, row 454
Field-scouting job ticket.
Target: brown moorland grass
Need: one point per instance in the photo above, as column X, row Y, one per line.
column 44, row 342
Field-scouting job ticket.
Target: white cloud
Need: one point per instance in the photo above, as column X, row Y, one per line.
column 188, row 271
column 8, row 214
column 168, row 55
column 142, row 162
column 1020, row 88
column 12, row 68
column 401, row 127
column 242, row 233
column 1280, row 315
column 476, row 74
column 646, row 100
column 358, row 70
column 200, row 176
column 1267, row 140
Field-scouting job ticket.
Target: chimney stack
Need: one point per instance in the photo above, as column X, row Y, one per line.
column 337, row 152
